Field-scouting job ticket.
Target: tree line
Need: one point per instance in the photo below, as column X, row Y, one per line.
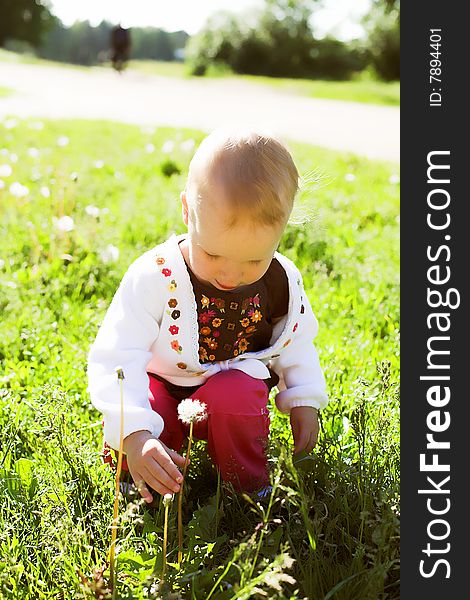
column 276, row 40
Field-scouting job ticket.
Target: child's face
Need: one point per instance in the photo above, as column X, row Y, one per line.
column 226, row 258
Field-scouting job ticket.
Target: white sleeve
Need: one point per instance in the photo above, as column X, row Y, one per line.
column 301, row 378
column 125, row 337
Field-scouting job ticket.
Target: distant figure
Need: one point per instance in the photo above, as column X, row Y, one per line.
column 120, row 47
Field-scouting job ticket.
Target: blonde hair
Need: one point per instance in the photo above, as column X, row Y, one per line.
column 255, row 170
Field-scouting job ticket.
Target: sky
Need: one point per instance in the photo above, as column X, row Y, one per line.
column 339, row 17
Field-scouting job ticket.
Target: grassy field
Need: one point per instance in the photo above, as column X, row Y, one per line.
column 78, row 202
column 362, row 89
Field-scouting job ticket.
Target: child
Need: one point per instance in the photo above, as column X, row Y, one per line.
column 216, row 315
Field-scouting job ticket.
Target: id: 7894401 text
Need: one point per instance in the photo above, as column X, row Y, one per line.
column 435, row 67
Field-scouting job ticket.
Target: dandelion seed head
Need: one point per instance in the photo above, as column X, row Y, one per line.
column 92, row 211
column 45, row 191
column 149, row 148
column 62, row 141
column 5, row 170
column 33, row 152
column 65, row 223
column 167, row 498
column 18, row 190
column 350, row 177
column 99, row 164
column 190, row 410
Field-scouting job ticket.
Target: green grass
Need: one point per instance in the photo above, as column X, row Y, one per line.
column 5, row 92
column 338, row 520
column 364, row 88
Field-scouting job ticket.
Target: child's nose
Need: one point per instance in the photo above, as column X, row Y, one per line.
column 231, row 277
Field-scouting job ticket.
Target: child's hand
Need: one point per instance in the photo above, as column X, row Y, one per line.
column 151, row 462
column 304, row 424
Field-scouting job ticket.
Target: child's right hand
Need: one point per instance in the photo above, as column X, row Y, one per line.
column 151, row 462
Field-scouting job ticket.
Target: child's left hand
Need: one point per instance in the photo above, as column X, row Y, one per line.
column 304, row 424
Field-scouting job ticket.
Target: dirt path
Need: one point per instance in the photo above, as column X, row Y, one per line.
column 98, row 93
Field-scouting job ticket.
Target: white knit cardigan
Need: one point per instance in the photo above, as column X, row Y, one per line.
column 151, row 326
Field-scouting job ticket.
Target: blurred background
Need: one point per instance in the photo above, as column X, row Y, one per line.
column 332, row 39
column 325, row 72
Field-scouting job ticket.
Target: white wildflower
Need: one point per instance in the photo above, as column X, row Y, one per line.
column 105, row 211
column 99, row 164
column 10, row 123
column 45, row 191
column 274, row 580
column 62, row 141
column 350, row 177
column 19, row 190
column 345, row 424
column 33, row 152
column 74, row 176
column 2, row 263
column 394, row 179
column 2, row 184
column 4, row 152
column 13, row 157
column 191, row 410
column 109, row 254
column 149, row 148
column 5, row 170
column 168, row 146
column 188, row 145
column 65, row 223
column 92, row 211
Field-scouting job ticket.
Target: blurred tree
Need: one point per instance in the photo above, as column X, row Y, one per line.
column 277, row 41
column 383, row 38
column 24, row 20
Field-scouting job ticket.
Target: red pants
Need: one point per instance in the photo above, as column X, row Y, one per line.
column 236, row 430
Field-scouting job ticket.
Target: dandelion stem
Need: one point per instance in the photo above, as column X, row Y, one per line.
column 114, row 525
column 180, row 497
column 165, row 539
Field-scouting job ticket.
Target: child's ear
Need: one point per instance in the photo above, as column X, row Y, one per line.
column 184, row 207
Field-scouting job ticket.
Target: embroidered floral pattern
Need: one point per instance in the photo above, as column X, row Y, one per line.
column 213, row 325
column 175, row 345
column 172, row 302
column 160, row 260
column 166, row 272
column 173, row 329
column 295, row 327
